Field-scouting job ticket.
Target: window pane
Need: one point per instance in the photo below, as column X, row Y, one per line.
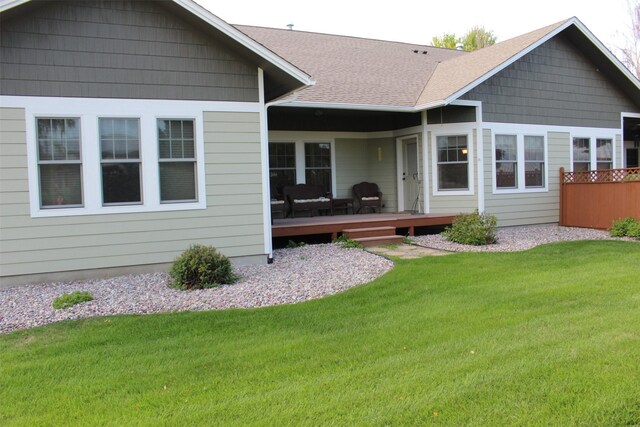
column 318, row 164
column 177, row 181
column 321, row 177
column 534, row 174
column 604, row 149
column 580, row 166
column 452, row 148
column 506, row 175
column 453, row 176
column 533, row 148
column 279, row 178
column 121, row 183
column 604, row 165
column 58, row 139
column 176, row 139
column 119, row 139
column 581, row 150
column 506, row 147
column 60, row 185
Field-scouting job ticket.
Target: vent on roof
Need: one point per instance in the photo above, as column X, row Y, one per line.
column 290, row 26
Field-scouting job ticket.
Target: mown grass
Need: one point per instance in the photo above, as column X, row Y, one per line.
column 549, row 336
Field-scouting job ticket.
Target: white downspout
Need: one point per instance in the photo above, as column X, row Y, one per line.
column 264, row 158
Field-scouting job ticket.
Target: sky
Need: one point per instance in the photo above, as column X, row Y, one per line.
column 416, row 21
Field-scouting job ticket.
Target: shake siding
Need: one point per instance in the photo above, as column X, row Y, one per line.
column 118, row 49
column 528, row 208
column 232, row 222
column 555, row 84
column 357, row 161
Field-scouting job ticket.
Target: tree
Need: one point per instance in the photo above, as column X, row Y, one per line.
column 476, row 38
column 630, row 53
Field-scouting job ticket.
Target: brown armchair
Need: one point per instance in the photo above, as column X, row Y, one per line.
column 368, row 195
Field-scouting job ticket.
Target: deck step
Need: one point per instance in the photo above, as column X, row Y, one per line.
column 380, row 240
column 356, row 233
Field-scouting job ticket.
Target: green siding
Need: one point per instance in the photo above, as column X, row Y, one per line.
column 528, row 208
column 232, row 221
column 357, row 161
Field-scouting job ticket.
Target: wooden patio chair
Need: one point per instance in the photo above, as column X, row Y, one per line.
column 368, row 195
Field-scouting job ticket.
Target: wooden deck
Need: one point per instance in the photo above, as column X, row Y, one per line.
column 336, row 223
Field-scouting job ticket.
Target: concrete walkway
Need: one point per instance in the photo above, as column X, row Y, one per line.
column 405, row 251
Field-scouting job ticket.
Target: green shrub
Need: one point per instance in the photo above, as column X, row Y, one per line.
column 346, row 242
column 622, row 227
column 472, row 229
column 201, row 267
column 634, row 230
column 291, row 244
column 69, row 300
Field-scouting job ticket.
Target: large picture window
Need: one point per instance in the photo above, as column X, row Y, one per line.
column 317, row 157
column 282, row 166
column 176, row 147
column 59, row 162
column 120, row 160
column 453, row 162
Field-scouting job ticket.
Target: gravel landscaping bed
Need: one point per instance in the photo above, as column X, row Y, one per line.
column 517, row 238
column 296, row 275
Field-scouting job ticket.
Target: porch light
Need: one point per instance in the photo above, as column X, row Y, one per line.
column 379, row 154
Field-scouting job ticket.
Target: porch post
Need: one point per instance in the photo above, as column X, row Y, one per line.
column 264, row 159
column 425, row 164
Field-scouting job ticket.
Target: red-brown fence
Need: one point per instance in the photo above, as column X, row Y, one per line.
column 594, row 199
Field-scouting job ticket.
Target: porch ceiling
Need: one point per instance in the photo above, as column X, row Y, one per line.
column 323, row 119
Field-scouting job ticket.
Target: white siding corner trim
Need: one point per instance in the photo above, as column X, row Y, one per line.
column 89, row 111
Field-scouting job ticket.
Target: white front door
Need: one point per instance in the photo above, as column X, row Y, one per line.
column 409, row 184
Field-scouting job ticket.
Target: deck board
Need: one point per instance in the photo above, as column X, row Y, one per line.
column 336, row 223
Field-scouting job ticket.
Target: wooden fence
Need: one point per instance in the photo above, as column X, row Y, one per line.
column 594, row 199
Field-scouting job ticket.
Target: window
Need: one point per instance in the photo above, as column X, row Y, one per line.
column 120, row 158
column 533, row 161
column 177, row 160
column 506, row 161
column 453, row 162
column 282, row 166
column 519, row 163
column 581, row 154
column 317, row 158
column 592, row 154
column 604, row 150
column 59, row 164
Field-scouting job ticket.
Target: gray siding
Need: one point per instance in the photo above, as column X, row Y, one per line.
column 554, row 84
column 232, row 221
column 118, row 49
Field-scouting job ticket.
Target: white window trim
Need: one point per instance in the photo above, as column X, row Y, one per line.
column 592, row 136
column 519, row 133
column 300, row 160
column 452, row 130
column 89, row 110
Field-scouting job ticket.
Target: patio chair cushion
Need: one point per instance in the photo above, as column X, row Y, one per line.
column 307, row 197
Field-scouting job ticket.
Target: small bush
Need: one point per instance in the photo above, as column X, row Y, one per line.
column 634, row 230
column 346, row 242
column 622, row 227
column 472, row 229
column 69, row 300
column 201, row 267
column 292, row 244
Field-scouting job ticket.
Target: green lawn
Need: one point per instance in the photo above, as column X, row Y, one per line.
column 549, row 336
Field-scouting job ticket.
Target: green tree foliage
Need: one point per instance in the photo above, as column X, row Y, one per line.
column 474, row 39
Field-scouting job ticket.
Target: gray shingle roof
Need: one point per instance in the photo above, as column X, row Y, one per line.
column 350, row 70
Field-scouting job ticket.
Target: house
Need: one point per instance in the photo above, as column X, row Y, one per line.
column 131, row 129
